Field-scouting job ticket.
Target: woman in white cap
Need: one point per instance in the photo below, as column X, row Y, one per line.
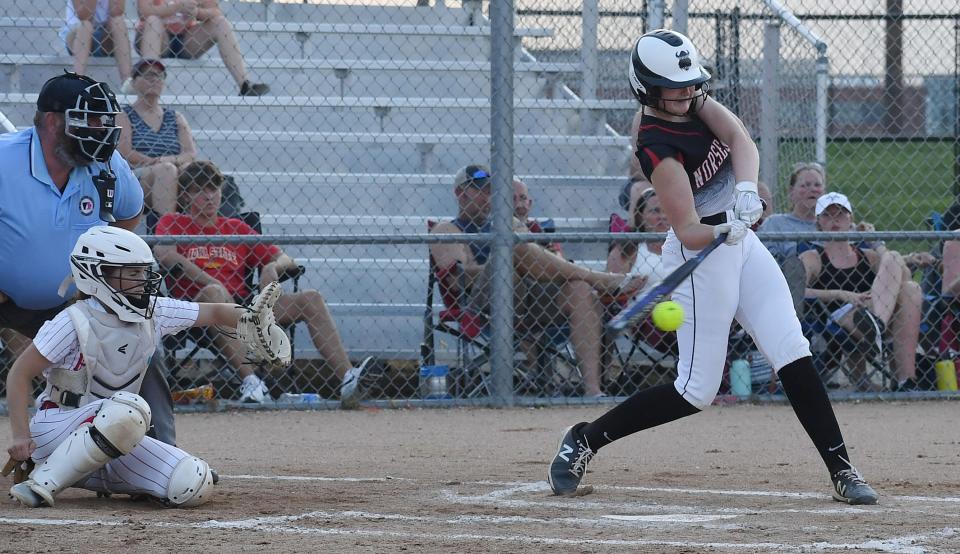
column 864, row 292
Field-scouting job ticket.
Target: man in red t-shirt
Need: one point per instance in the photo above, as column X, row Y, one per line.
column 216, row 272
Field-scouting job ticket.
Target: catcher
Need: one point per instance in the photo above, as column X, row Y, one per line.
column 90, row 423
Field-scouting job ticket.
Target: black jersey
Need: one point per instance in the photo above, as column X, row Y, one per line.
column 706, row 159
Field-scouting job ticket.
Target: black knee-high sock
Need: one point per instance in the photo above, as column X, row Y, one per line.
column 809, row 400
column 643, row 410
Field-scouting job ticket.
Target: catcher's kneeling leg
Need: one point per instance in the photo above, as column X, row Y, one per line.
column 120, row 424
column 191, row 483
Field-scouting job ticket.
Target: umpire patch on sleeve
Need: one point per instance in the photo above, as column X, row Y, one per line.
column 86, row 205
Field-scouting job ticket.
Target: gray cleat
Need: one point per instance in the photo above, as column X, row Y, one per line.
column 570, row 464
column 849, row 487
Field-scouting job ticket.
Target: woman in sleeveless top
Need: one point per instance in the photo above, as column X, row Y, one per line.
column 865, row 291
column 156, row 141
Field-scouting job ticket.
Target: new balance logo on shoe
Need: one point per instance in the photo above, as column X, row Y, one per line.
column 564, row 450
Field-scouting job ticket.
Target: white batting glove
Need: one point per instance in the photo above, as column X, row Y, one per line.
column 748, row 207
column 734, row 229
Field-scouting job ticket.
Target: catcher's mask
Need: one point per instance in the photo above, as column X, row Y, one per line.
column 101, row 249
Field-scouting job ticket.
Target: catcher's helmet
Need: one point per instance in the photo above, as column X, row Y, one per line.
column 666, row 59
column 105, row 247
column 90, row 109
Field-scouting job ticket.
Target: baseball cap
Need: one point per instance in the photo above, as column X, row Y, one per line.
column 60, row 93
column 474, row 175
column 143, row 65
column 832, row 198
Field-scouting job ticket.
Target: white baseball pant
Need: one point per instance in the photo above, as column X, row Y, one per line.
column 743, row 282
column 145, row 470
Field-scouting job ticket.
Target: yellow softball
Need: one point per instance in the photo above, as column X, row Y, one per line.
column 667, row 316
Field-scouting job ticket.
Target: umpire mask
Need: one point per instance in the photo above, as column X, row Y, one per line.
column 90, row 110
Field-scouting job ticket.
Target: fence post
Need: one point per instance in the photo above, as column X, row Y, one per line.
column 680, row 11
column 655, row 15
column 501, row 154
column 823, row 87
column 588, row 58
column 770, row 107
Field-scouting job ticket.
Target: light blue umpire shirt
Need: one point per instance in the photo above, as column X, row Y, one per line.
column 39, row 225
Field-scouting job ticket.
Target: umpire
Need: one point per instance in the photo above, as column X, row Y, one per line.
column 58, row 179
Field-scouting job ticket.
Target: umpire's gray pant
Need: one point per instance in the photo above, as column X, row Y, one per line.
column 156, row 392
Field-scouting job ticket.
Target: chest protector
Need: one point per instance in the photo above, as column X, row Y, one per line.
column 114, row 354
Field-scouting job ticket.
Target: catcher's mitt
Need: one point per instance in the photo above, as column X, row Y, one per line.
column 265, row 340
column 21, row 469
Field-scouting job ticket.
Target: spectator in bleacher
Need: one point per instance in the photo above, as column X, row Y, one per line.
column 156, row 141
column 578, row 289
column 522, row 205
column 217, row 273
column 807, row 184
column 641, row 258
column 98, row 28
column 186, row 29
column 864, row 291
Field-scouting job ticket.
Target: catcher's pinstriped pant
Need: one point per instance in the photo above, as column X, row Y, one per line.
column 146, row 469
column 743, row 282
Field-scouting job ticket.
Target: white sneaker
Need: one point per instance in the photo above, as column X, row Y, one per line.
column 252, row 390
column 351, row 390
column 127, row 86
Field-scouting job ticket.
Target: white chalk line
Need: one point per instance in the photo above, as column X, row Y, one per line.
column 896, row 545
column 535, row 486
column 580, row 503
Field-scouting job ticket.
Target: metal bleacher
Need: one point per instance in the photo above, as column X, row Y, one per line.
column 372, row 110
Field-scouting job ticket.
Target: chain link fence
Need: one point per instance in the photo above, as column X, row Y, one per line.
column 337, row 130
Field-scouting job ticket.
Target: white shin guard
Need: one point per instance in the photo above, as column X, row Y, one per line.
column 191, row 483
column 120, row 424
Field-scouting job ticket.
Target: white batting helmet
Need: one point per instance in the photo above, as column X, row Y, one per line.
column 665, row 59
column 105, row 247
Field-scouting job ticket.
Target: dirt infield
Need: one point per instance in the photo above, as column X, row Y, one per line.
column 738, row 478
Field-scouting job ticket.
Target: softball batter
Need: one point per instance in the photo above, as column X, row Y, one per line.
column 704, row 167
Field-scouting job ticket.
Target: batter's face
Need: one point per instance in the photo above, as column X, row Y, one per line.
column 677, row 101
column 807, row 187
column 654, row 221
column 835, row 218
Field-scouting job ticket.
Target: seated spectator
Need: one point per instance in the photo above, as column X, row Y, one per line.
column 864, row 292
column 97, row 27
column 522, row 204
column 216, row 274
column 573, row 290
column 156, row 141
column 187, row 29
column 641, row 258
column 807, row 184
